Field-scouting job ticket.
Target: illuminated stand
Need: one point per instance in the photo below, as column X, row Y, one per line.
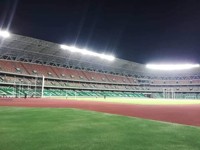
column 168, row 93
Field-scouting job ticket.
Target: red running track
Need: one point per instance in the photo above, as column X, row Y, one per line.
column 182, row 114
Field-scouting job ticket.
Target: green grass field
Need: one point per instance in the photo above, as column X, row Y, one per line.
column 71, row 129
column 140, row 101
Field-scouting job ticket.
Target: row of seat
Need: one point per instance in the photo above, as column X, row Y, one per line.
column 177, row 82
column 59, row 72
column 31, row 82
column 72, row 74
column 11, row 91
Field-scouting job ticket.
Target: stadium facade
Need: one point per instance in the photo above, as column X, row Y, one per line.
column 25, row 60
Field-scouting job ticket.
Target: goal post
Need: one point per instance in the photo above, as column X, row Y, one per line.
column 168, row 93
column 42, row 94
column 39, row 86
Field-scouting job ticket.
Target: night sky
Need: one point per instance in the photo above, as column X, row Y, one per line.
column 142, row 31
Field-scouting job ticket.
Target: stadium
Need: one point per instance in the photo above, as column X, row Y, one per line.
column 99, row 93
column 43, row 69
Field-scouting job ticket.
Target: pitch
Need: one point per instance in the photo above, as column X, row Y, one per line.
column 60, row 128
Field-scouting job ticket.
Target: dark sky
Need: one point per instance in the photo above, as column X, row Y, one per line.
column 137, row 30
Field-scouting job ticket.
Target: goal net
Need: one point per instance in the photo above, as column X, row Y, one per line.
column 32, row 88
column 168, row 93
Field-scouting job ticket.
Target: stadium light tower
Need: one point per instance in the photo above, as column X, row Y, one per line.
column 87, row 52
column 172, row 67
column 4, row 34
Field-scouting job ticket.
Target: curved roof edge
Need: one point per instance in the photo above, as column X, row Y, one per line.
column 28, row 49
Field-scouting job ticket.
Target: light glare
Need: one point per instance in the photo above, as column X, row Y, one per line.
column 169, row 67
column 4, row 34
column 87, row 52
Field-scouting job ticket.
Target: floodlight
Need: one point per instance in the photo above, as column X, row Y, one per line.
column 84, row 52
column 4, row 34
column 108, row 57
column 172, row 66
column 64, row 46
column 87, row 52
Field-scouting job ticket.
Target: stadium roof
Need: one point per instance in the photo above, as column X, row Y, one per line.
column 27, row 49
column 22, row 48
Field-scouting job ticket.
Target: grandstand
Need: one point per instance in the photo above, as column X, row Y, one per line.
column 24, row 61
